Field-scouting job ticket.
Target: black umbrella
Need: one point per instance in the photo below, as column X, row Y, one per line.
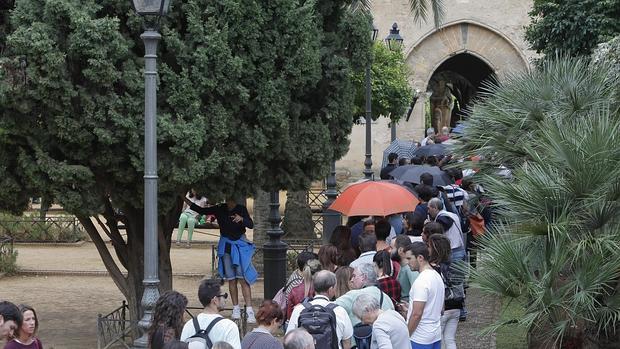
column 403, row 148
column 431, row 149
column 411, row 173
column 407, row 185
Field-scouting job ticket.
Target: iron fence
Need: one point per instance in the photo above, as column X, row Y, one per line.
column 114, row 329
column 35, row 229
column 295, row 246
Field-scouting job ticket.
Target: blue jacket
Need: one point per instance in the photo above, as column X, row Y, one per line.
column 241, row 253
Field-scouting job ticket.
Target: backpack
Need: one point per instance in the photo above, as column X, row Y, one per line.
column 362, row 333
column 320, row 322
column 202, row 336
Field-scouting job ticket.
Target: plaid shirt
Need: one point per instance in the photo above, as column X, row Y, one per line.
column 390, row 286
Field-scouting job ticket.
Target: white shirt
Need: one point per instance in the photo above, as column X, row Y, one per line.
column 202, row 202
column 366, row 257
column 429, row 288
column 454, row 233
column 390, row 331
column 344, row 329
column 225, row 330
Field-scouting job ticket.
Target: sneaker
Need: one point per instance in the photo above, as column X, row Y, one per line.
column 251, row 318
column 188, row 245
column 178, row 243
column 236, row 313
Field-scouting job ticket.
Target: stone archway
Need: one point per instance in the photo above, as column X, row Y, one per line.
column 456, row 40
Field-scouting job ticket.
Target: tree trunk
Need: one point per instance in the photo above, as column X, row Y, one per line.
column 129, row 275
column 297, row 222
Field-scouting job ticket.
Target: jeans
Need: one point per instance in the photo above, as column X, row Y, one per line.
column 449, row 323
column 436, row 345
column 458, row 254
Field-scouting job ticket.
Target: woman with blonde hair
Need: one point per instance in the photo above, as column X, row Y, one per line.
column 343, row 280
column 303, row 290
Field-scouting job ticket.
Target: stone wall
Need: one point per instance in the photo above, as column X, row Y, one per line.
column 490, row 30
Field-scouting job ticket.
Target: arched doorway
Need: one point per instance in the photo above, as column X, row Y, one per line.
column 453, row 86
column 463, row 50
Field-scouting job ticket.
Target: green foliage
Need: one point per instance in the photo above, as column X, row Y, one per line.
column 30, row 228
column 8, row 262
column 391, row 93
column 555, row 247
column 251, row 95
column 573, row 27
column 609, row 53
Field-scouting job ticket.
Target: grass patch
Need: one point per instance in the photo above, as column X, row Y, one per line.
column 511, row 336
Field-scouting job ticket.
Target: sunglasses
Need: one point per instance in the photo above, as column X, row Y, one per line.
column 225, row 295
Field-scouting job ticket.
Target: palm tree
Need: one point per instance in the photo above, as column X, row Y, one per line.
column 555, row 247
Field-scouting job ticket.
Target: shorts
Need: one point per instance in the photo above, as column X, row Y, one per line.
column 231, row 272
column 436, row 345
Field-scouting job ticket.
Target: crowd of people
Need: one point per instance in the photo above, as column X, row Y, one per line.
column 381, row 282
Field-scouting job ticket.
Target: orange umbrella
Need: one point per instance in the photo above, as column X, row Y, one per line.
column 374, row 199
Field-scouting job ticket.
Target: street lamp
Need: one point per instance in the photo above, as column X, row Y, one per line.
column 331, row 219
column 152, row 10
column 274, row 250
column 394, row 40
column 395, row 43
column 368, row 174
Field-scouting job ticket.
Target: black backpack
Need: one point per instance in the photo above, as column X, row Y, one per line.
column 320, row 322
column 362, row 333
column 202, row 336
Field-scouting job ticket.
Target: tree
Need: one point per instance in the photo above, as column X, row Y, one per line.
column 554, row 249
column 390, row 90
column 573, row 27
column 252, row 95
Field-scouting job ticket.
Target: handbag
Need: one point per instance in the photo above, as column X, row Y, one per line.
column 476, row 225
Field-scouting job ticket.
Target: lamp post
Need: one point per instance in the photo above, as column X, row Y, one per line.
column 395, row 43
column 274, row 250
column 331, row 219
column 368, row 173
column 152, row 10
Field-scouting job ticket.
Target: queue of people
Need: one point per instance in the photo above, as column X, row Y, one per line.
column 383, row 282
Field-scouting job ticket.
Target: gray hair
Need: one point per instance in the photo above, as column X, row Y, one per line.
column 436, row 203
column 368, row 270
column 323, row 280
column 298, row 338
column 364, row 304
column 430, row 131
column 222, row 345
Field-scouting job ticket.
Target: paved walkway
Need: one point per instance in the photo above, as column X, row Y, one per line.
column 69, row 286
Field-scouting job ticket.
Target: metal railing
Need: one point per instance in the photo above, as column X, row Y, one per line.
column 114, row 328
column 294, row 245
column 35, row 229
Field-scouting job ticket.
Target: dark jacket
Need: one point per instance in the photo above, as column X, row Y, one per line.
column 228, row 228
column 385, row 172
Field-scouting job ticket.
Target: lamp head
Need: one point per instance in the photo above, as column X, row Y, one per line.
column 394, row 40
column 157, row 8
column 374, row 33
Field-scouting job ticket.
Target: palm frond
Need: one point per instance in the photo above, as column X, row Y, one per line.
column 420, row 9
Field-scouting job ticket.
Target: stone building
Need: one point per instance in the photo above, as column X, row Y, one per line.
column 479, row 41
